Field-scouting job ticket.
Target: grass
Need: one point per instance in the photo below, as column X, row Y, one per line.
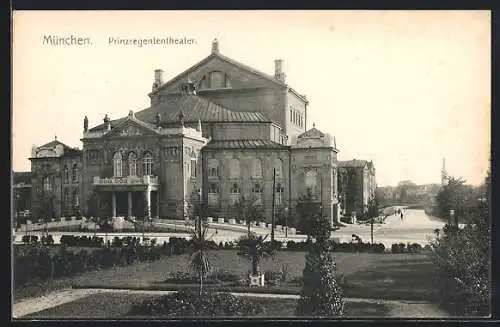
column 117, row 305
column 368, row 275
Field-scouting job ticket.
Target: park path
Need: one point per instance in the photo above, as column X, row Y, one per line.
column 398, row 309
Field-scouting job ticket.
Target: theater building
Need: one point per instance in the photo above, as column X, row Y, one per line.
column 219, row 131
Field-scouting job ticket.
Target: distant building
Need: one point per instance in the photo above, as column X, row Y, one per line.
column 21, row 189
column 357, row 185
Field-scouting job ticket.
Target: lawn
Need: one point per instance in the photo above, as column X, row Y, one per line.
column 117, row 305
column 368, row 275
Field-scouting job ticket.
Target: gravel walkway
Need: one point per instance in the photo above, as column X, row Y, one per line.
column 399, row 309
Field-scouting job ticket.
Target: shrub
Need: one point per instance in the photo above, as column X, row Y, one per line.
column 321, row 294
column 188, row 303
column 224, row 276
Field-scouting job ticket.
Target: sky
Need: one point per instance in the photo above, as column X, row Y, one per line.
column 404, row 89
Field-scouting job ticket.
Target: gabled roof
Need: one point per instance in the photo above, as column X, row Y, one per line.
column 312, row 133
column 223, row 58
column 233, row 62
column 55, row 143
column 193, row 108
column 244, row 144
column 354, row 163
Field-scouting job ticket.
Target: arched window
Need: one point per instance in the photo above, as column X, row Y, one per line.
column 213, row 194
column 147, row 162
column 117, row 164
column 257, row 194
column 47, row 183
column 213, row 168
column 234, row 168
column 75, row 173
column 256, row 168
column 278, row 164
column 67, row 200
column 66, row 174
column 234, row 194
column 279, row 194
column 217, row 80
column 132, row 164
column 76, row 199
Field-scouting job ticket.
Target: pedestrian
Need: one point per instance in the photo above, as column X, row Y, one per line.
column 401, row 215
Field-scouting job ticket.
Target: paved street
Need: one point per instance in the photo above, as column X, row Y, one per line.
column 416, row 227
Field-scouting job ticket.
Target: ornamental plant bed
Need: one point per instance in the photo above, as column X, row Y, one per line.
column 119, row 305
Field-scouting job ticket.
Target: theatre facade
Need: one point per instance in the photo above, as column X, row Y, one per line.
column 219, row 132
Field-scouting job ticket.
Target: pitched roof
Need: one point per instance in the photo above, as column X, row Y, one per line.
column 312, row 133
column 354, row 163
column 231, row 61
column 53, row 144
column 244, row 144
column 226, row 59
column 194, row 108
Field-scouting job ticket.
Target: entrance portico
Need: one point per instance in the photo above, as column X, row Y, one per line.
column 131, row 196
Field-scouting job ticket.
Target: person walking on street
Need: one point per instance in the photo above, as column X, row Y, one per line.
column 401, row 215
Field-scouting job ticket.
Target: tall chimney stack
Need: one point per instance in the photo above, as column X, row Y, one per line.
column 158, row 79
column 278, row 70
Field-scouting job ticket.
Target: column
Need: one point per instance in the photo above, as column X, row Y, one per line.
column 148, row 201
column 157, row 204
column 129, row 204
column 113, row 204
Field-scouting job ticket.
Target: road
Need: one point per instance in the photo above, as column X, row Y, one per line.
column 415, row 227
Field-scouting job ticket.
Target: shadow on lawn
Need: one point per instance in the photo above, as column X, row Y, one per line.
column 395, row 280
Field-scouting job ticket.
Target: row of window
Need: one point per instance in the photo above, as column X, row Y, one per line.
column 147, row 164
column 235, row 194
column 296, row 117
column 74, row 174
column 235, row 168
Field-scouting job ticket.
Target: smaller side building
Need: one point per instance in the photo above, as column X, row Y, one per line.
column 357, row 186
column 56, row 175
column 21, row 193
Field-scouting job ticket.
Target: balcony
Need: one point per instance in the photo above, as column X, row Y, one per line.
column 126, row 181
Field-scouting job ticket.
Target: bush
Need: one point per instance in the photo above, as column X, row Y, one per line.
column 224, row 276
column 188, row 303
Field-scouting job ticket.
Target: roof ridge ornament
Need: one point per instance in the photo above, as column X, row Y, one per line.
column 215, row 46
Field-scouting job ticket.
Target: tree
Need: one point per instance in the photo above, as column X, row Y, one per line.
column 249, row 211
column 46, row 210
column 255, row 249
column 306, row 209
column 200, row 262
column 321, row 294
column 457, row 196
column 97, row 212
column 372, row 213
column 463, row 257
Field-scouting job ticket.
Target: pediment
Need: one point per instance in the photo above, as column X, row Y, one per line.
column 131, row 128
column 235, row 74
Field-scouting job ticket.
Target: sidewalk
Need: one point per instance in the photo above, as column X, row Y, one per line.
column 398, row 309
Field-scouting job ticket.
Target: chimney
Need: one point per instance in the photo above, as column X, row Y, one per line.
column 215, row 46
column 278, row 70
column 158, row 79
column 107, row 122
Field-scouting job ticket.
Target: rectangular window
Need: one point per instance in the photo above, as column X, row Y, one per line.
column 291, row 115
column 193, row 168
